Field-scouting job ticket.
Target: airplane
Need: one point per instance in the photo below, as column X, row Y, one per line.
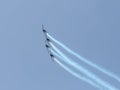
column 52, row 56
column 44, row 31
column 47, row 46
column 48, row 40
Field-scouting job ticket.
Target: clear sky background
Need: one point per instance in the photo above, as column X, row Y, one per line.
column 89, row 27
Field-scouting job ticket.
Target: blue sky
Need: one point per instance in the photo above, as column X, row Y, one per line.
column 89, row 27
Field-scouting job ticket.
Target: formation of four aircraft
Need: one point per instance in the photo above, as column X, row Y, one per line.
column 47, row 43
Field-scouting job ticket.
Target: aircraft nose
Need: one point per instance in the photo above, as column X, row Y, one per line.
column 44, row 30
column 48, row 40
column 51, row 55
column 47, row 46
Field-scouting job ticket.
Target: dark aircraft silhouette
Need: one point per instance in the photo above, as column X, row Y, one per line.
column 48, row 40
column 47, row 46
column 52, row 56
column 44, row 31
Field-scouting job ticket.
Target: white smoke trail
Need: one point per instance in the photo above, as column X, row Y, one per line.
column 77, row 75
column 83, row 70
column 85, row 79
column 110, row 74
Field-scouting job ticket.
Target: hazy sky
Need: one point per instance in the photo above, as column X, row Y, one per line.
column 89, row 27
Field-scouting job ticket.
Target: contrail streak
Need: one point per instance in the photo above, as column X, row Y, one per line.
column 83, row 70
column 85, row 79
column 110, row 74
column 77, row 75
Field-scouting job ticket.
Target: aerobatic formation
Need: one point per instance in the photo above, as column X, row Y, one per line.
column 68, row 64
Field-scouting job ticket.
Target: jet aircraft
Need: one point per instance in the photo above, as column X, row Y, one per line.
column 47, row 46
column 44, row 31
